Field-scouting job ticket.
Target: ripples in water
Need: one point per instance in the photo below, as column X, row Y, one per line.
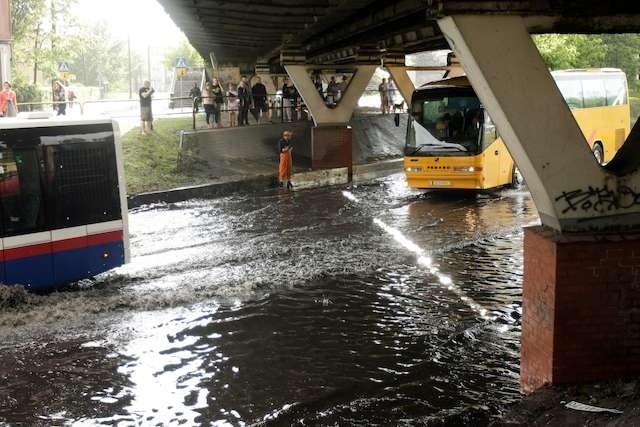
column 284, row 309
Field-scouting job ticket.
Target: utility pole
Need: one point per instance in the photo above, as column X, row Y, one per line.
column 129, row 53
column 149, row 62
column 5, row 41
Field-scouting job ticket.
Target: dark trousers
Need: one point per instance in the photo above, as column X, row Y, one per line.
column 243, row 117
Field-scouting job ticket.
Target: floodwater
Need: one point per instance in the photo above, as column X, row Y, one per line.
column 365, row 305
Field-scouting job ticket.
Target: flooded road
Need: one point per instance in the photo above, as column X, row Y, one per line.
column 365, row 305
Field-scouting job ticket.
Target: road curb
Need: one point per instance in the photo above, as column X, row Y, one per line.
column 369, row 171
column 241, row 184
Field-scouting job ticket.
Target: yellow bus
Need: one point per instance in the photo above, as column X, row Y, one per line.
column 452, row 143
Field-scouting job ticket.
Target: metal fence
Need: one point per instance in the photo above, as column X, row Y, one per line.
column 277, row 108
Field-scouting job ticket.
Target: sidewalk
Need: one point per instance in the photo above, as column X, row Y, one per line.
column 546, row 407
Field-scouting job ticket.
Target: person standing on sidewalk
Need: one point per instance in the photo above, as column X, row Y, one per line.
column 244, row 96
column 259, row 93
column 233, row 104
column 286, row 161
column 8, row 101
column 59, row 99
column 196, row 97
column 146, row 114
column 208, row 102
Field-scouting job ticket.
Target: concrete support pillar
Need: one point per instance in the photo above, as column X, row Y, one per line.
column 581, row 312
column 403, row 82
column 322, row 115
column 331, row 142
column 581, row 293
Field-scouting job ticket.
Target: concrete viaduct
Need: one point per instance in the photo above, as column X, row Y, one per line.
column 581, row 297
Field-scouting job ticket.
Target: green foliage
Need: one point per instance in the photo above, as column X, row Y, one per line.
column 571, row 50
column 26, row 92
column 151, row 161
column 186, row 51
column 94, row 56
column 561, row 51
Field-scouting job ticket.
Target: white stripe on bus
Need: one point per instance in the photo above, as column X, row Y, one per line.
column 60, row 234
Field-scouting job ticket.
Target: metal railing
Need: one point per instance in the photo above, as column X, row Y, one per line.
column 277, row 109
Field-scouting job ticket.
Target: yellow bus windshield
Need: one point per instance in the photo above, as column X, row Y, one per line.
column 445, row 122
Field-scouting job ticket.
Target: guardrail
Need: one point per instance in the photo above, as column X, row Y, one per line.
column 277, row 109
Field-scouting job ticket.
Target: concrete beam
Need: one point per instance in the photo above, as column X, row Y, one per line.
column 570, row 189
column 403, row 82
column 322, row 115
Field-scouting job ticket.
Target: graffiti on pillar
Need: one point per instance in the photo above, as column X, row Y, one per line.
column 599, row 199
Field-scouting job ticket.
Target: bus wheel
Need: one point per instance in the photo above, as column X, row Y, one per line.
column 598, row 153
column 516, row 178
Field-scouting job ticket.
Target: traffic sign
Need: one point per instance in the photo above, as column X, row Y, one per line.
column 181, row 63
column 181, row 72
column 63, row 67
column 63, row 75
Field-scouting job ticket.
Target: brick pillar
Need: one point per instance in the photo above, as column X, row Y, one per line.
column 331, row 147
column 581, row 307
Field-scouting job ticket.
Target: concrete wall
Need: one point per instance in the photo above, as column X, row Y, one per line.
column 376, row 137
column 252, row 150
column 247, row 150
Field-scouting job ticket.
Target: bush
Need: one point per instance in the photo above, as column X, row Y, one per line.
column 26, row 92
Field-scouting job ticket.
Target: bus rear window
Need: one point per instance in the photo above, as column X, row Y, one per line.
column 571, row 91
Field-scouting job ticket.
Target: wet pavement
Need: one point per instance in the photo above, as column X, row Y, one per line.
column 366, row 305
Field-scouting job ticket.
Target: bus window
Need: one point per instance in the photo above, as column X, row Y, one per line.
column 615, row 88
column 571, row 91
column 490, row 133
column 444, row 123
column 20, row 191
column 82, row 181
column 593, row 92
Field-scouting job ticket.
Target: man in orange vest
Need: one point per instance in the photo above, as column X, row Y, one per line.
column 286, row 161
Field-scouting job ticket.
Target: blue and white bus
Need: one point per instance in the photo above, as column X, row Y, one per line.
column 63, row 209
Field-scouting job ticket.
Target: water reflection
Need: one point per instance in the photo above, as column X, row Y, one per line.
column 368, row 305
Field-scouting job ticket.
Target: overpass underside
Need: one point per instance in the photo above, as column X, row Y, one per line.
column 581, row 297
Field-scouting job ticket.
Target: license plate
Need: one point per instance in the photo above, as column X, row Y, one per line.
column 440, row 182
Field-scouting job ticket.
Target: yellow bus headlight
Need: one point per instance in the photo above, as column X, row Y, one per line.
column 413, row 169
column 467, row 168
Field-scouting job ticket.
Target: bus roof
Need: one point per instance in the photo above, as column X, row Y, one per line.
column 459, row 81
column 588, row 71
column 23, row 122
column 463, row 81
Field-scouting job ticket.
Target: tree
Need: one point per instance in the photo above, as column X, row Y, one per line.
column 561, row 51
column 37, row 25
column 94, row 55
column 183, row 50
column 589, row 51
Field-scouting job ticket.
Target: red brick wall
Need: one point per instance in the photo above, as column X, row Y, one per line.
column 331, row 147
column 581, row 307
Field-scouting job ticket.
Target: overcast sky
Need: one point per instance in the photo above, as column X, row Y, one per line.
column 144, row 20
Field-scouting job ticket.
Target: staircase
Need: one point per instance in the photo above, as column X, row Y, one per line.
column 180, row 87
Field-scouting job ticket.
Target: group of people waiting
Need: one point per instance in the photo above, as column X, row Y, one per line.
column 9, row 100
column 386, row 91
column 334, row 89
column 240, row 99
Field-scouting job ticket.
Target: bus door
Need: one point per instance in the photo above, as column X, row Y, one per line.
column 26, row 242
column 491, row 152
